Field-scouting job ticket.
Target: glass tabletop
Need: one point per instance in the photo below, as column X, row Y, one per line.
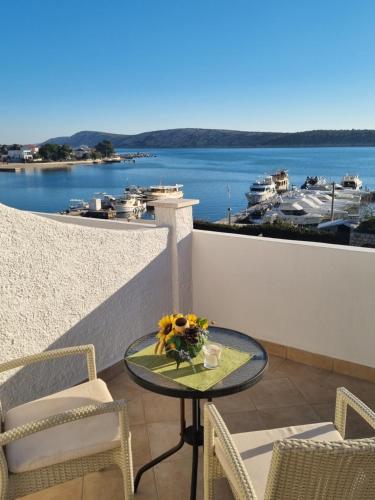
column 242, row 378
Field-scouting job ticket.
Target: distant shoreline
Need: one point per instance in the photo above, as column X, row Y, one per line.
column 53, row 165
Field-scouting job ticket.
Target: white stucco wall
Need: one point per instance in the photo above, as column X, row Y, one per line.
column 311, row 296
column 66, row 284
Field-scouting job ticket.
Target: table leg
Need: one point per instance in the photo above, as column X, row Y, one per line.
column 166, row 454
column 196, row 434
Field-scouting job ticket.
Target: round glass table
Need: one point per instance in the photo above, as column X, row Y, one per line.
column 242, row 378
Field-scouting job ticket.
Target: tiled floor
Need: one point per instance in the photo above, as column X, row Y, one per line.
column 289, row 394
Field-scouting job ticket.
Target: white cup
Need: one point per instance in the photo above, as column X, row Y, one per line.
column 212, row 354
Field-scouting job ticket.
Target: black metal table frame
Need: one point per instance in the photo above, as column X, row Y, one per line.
column 192, row 435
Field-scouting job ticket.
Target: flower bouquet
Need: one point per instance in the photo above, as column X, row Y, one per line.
column 181, row 337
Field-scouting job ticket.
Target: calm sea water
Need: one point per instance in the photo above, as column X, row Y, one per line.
column 205, row 174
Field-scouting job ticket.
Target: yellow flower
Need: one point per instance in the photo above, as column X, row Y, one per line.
column 165, row 321
column 176, row 316
column 165, row 326
column 192, row 318
column 204, row 325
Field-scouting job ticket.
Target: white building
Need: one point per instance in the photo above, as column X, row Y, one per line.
column 81, row 152
column 23, row 154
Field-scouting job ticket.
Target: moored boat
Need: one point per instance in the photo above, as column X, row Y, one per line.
column 316, row 183
column 128, row 204
column 154, row 193
column 293, row 212
column 76, row 204
column 350, row 181
column 112, row 159
column 281, row 180
column 261, row 191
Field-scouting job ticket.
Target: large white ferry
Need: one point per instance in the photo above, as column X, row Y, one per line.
column 261, row 190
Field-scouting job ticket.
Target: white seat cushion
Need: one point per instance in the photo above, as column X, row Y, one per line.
column 255, row 448
column 64, row 442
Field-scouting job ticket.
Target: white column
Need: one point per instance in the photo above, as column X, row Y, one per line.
column 178, row 216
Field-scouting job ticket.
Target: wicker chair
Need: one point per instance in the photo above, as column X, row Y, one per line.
column 308, row 462
column 63, row 436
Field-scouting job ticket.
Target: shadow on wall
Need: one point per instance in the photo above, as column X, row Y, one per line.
column 132, row 311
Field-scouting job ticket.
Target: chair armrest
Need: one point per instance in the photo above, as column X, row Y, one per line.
column 89, row 350
column 215, row 427
column 62, row 418
column 345, row 398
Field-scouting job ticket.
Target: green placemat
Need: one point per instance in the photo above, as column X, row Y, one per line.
column 199, row 377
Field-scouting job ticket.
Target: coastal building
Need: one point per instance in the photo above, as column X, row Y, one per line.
column 82, row 152
column 34, row 148
column 20, row 155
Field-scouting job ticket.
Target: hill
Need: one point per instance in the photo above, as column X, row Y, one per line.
column 208, row 138
column 88, row 138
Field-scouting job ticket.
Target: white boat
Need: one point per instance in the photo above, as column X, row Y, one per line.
column 107, row 200
column 112, row 159
column 77, row 204
column 261, row 191
column 311, row 203
column 129, row 204
column 317, row 184
column 294, row 213
column 350, row 181
column 281, row 180
column 161, row 192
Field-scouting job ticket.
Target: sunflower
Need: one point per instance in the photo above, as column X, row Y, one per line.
column 165, row 326
column 192, row 319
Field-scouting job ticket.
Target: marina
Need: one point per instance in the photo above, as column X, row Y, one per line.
column 132, row 204
column 317, row 203
column 205, row 173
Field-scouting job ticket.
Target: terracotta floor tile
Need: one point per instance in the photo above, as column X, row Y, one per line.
column 288, row 416
column 136, row 411
column 165, row 435
column 238, row 402
column 243, row 421
column 356, row 427
column 160, row 408
column 140, row 444
column 122, row 387
column 147, row 487
column 174, row 483
column 222, row 490
column 71, row 490
column 103, row 485
column 274, row 362
column 107, row 485
column 316, row 385
column 275, row 393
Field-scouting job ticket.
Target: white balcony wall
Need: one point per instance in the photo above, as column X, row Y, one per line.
column 67, row 284
column 320, row 298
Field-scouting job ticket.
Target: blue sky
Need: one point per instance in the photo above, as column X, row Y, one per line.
column 132, row 66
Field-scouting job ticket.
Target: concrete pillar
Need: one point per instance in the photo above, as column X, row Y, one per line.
column 178, row 216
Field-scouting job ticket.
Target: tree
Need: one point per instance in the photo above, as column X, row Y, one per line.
column 105, row 148
column 55, row 152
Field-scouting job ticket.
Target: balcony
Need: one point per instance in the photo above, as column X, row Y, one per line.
column 68, row 282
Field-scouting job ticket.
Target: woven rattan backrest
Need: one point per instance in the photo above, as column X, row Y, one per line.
column 317, row 470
